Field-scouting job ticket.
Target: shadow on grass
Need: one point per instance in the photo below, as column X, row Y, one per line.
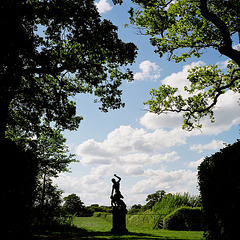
column 81, row 233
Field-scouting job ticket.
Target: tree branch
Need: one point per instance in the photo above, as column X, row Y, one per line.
column 226, row 48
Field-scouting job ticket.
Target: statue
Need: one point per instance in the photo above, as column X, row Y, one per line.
column 116, row 196
column 119, row 208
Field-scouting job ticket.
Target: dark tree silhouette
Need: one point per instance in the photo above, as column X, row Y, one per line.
column 53, row 50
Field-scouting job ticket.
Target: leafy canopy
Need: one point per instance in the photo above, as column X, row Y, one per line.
column 73, row 204
column 49, row 148
column 53, row 50
column 184, row 29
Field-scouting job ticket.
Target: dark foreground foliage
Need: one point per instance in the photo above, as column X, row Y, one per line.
column 219, row 182
column 18, row 180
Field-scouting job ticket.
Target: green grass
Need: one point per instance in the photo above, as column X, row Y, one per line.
column 98, row 228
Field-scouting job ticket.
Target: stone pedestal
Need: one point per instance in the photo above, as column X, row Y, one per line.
column 119, row 221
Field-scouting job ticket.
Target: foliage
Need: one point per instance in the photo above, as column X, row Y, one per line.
column 53, row 158
column 216, row 174
column 184, row 29
column 73, row 204
column 49, row 148
column 90, row 210
column 55, row 50
column 135, row 209
column 184, row 219
column 154, row 198
column 146, row 219
column 18, row 181
column 171, row 202
column 47, row 210
column 152, row 217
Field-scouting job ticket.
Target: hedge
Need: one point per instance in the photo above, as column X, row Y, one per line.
column 184, row 219
column 219, row 182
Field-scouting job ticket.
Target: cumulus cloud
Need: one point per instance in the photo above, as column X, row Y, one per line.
column 103, row 6
column 154, row 121
column 132, row 153
column 171, row 181
column 226, row 114
column 213, row 145
column 150, row 71
column 179, row 80
column 93, row 188
column 130, row 146
column 194, row 164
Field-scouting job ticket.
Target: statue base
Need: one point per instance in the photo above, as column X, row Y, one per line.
column 119, row 221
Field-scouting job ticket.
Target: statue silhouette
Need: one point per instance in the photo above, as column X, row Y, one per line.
column 116, row 196
column 119, row 208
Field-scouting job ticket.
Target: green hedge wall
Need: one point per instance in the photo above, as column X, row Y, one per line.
column 184, row 219
column 219, row 182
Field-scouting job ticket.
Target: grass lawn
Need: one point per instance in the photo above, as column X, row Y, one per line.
column 98, row 228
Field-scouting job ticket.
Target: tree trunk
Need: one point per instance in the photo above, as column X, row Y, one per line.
column 43, row 198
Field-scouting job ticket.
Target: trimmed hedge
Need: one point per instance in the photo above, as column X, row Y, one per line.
column 184, row 219
column 219, row 181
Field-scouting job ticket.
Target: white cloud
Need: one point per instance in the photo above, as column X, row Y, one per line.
column 226, row 113
column 179, row 80
column 213, row 145
column 222, row 64
column 103, row 6
column 194, row 164
column 130, row 146
column 93, row 188
column 172, row 181
column 154, row 121
column 150, row 71
column 131, row 153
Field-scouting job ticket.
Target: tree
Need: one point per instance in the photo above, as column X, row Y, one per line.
column 52, row 157
column 155, row 197
column 47, row 207
column 192, row 27
column 219, row 184
column 18, row 178
column 53, row 50
column 51, row 152
column 135, row 209
column 73, row 204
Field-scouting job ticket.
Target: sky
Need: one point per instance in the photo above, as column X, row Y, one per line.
column 149, row 152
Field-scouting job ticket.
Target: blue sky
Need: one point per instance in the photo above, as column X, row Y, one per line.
column 148, row 151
